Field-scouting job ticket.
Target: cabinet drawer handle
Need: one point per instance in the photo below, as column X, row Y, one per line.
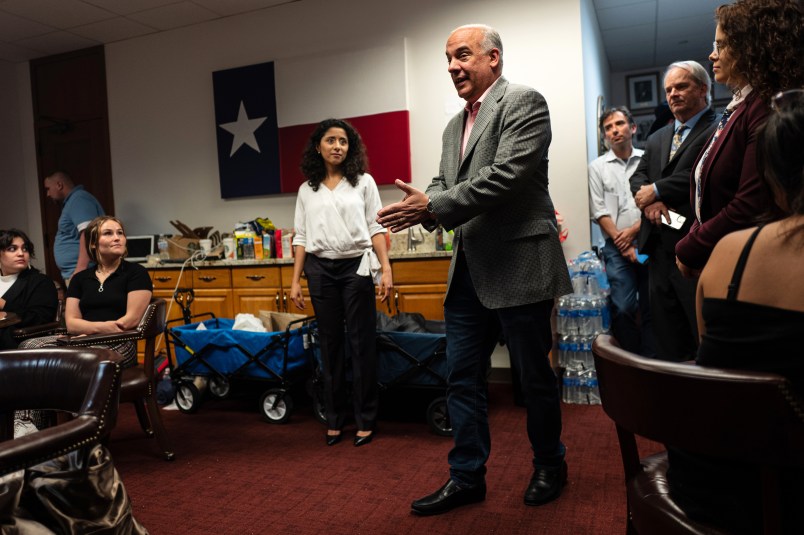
column 285, row 302
column 208, row 278
column 277, row 301
column 396, row 301
column 162, row 278
column 255, row 277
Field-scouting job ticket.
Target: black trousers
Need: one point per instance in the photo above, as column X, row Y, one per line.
column 672, row 305
column 341, row 296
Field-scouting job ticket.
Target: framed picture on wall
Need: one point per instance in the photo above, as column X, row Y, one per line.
column 643, row 124
column 642, row 91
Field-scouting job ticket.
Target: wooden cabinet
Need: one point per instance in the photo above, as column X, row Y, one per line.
column 419, row 286
column 257, row 288
column 287, row 304
column 165, row 281
column 213, row 292
column 228, row 290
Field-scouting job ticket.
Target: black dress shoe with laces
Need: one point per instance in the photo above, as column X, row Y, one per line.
column 546, row 484
column 448, row 497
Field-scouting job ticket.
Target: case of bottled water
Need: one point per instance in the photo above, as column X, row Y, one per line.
column 580, row 317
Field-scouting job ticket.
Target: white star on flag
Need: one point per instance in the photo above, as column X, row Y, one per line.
column 243, row 130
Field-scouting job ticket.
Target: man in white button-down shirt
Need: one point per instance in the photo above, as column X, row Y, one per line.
column 612, row 206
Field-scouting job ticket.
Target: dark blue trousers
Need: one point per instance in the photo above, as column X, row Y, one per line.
column 472, row 331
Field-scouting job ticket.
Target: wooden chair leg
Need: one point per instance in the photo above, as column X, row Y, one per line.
column 142, row 417
column 159, row 428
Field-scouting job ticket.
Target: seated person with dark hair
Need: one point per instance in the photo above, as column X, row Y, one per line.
column 751, row 316
column 24, row 291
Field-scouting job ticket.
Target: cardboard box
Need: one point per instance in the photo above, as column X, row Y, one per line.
column 278, row 321
column 180, row 248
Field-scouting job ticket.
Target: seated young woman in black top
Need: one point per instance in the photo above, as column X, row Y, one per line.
column 110, row 296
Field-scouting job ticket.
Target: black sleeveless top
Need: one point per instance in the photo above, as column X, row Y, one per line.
column 745, row 336
column 750, row 336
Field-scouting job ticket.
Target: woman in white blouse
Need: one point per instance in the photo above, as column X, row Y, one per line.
column 342, row 251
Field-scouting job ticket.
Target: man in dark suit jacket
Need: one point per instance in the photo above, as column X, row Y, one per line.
column 661, row 184
column 507, row 266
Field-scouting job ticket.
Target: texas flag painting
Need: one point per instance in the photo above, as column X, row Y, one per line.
column 247, row 134
column 265, row 113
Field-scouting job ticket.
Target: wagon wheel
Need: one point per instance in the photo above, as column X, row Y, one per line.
column 438, row 417
column 319, row 410
column 276, row 405
column 188, row 398
column 219, row 387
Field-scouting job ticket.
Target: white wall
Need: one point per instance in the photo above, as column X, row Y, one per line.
column 596, row 84
column 161, row 114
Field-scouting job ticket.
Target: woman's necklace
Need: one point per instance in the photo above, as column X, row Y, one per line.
column 103, row 275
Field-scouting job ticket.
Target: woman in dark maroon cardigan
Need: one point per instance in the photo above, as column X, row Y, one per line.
column 757, row 52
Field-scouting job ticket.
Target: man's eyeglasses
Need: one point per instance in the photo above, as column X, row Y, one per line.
column 786, row 99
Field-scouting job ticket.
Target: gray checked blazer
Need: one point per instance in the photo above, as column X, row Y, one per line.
column 496, row 199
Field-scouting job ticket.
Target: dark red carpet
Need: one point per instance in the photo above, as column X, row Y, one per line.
column 235, row 474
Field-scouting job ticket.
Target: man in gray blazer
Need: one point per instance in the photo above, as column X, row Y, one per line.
column 507, row 266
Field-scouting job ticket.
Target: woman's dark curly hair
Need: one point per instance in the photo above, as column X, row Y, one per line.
column 312, row 164
column 765, row 38
column 780, row 158
column 7, row 238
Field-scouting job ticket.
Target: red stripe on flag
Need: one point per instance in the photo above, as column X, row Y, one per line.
column 387, row 140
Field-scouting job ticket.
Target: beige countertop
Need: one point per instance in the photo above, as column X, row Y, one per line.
column 425, row 248
column 414, row 255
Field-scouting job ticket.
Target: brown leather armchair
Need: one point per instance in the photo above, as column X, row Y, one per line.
column 138, row 385
column 84, row 381
column 740, row 416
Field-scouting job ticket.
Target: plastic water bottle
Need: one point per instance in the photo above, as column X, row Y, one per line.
column 585, row 347
column 598, row 304
column 562, row 314
column 563, row 342
column 584, row 316
column 574, row 315
column 583, row 386
column 162, row 245
column 593, row 388
column 569, row 390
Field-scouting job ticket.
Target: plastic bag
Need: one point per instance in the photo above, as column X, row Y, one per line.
column 248, row 322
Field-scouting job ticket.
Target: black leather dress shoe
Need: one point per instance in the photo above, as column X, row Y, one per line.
column 546, row 484
column 334, row 439
column 448, row 497
column 362, row 441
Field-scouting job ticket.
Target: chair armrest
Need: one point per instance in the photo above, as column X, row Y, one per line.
column 23, row 333
column 48, row 443
column 99, row 339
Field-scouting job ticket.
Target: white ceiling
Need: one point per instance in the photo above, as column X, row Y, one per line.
column 31, row 29
column 639, row 34
column 636, row 33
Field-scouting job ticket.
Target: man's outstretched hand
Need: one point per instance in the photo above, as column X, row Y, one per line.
column 411, row 210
